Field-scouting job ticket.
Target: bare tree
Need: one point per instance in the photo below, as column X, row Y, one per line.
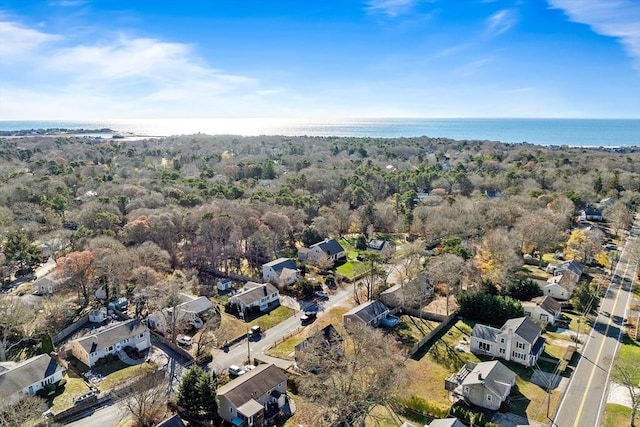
column 349, row 384
column 447, row 269
column 16, row 414
column 16, row 321
column 626, row 371
column 146, row 402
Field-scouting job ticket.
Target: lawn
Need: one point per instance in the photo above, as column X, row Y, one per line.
column 352, row 269
column 117, row 372
column 285, row 348
column 74, row 387
column 272, row 318
column 410, row 330
column 616, row 415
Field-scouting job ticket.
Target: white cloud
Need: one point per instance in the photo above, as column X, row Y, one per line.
column 613, row 18
column 18, row 40
column 391, row 8
column 500, row 22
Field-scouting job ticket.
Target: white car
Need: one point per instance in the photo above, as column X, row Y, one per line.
column 321, row 294
column 184, row 340
column 236, row 370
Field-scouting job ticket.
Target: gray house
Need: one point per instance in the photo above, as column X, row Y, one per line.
column 370, row 314
column 248, row 400
column 188, row 312
column 543, row 309
column 486, row 384
column 519, row 340
column 256, row 295
column 27, row 377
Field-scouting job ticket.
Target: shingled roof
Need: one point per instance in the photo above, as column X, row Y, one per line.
column 26, row 373
column 253, row 292
column 524, row 327
column 281, row 263
column 253, row 384
column 368, row 311
column 330, row 247
column 112, row 335
column 493, row 375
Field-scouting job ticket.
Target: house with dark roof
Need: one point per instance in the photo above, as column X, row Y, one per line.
column 379, row 244
column 559, row 287
column 446, row 422
column 484, row 384
column 188, row 312
column 252, row 398
column 174, row 421
column 281, row 270
column 27, row 377
column 327, row 341
column 111, row 339
column 261, row 296
column 519, row 340
column 590, row 214
column 543, row 309
column 328, row 247
column 369, row 313
column 572, row 269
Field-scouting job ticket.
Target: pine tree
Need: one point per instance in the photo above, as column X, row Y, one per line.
column 197, row 395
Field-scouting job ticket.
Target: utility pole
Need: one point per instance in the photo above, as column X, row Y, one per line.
column 248, row 348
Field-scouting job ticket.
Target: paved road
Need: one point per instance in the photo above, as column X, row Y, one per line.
column 237, row 355
column 109, row 415
column 584, row 399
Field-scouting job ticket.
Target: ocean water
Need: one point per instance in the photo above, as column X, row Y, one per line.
column 571, row 132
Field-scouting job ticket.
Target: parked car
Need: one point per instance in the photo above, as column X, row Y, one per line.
column 184, row 340
column 255, row 331
column 321, row 294
column 236, row 371
column 308, row 317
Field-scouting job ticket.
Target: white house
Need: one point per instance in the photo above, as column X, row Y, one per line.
column 485, row 384
column 519, row 340
column 27, row 377
column 559, row 287
column 46, row 286
column 110, row 340
column 256, row 295
column 282, row 270
column 543, row 309
column 249, row 399
column 188, row 312
column 328, row 247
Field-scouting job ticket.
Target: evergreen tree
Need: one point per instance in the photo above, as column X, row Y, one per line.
column 197, row 395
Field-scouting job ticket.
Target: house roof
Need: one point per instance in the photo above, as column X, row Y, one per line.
column 26, row 373
column 493, row 375
column 548, row 303
column 253, row 384
column 446, row 422
column 329, row 246
column 253, row 292
column 574, row 266
column 193, row 304
column 250, row 408
column 538, row 345
column 45, row 281
column 484, row 332
column 329, row 334
column 174, row 421
column 524, row 327
column 368, row 311
column 111, row 335
column 377, row 244
column 281, row 263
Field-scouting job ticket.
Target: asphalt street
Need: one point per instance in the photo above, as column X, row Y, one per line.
column 583, row 402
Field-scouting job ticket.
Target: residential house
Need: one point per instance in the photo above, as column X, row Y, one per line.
column 98, row 315
column 110, row 340
column 519, row 340
column 370, row 314
column 329, row 341
column 260, row 296
column 492, row 193
column 224, row 285
column 188, row 312
column 573, row 269
column 485, row 384
column 174, row 421
column 46, row 286
column 282, row 270
column 380, row 245
column 328, row 247
column 27, row 377
column 590, row 214
column 543, row 309
column 250, row 399
column 559, row 287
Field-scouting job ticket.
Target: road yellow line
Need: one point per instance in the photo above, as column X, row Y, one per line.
column 597, row 360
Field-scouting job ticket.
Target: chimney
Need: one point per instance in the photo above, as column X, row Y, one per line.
column 479, row 376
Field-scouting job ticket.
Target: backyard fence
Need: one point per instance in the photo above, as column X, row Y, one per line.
column 70, row 329
column 432, row 334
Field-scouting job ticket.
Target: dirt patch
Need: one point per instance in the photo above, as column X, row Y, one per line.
column 439, row 305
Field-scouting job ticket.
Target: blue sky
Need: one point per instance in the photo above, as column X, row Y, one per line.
column 104, row 59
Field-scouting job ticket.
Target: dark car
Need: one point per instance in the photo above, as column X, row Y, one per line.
column 308, row 317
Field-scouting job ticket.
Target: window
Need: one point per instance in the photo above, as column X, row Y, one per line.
column 501, row 340
column 466, row 389
column 518, row 355
column 110, row 348
column 484, row 346
column 544, row 317
column 520, row 345
column 141, row 335
column 502, row 351
column 488, row 398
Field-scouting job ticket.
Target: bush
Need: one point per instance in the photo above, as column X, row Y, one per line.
column 419, row 404
column 205, row 357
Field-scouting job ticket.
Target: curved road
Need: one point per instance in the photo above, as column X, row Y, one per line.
column 583, row 402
